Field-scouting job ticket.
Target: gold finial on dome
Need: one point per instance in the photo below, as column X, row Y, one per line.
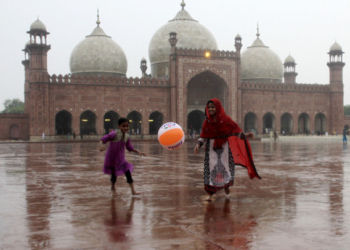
column 183, row 4
column 98, row 18
column 257, row 33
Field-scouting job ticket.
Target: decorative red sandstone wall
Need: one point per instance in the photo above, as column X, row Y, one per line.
column 19, row 120
column 99, row 95
column 261, row 98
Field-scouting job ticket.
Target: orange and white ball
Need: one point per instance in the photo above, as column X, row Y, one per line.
column 171, row 136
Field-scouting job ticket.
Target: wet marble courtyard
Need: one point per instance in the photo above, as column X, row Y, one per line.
column 55, row 196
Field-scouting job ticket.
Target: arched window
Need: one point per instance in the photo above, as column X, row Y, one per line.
column 195, row 121
column 135, row 120
column 286, row 124
column 250, row 122
column 110, row 121
column 320, row 124
column 268, row 123
column 63, row 123
column 203, row 87
column 14, row 132
column 155, row 121
column 88, row 123
column 304, row 124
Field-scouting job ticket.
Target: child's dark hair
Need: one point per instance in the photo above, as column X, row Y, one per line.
column 122, row 120
column 210, row 101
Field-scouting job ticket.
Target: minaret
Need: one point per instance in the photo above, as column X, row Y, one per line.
column 289, row 70
column 37, row 96
column 25, row 63
column 37, row 51
column 143, row 67
column 336, row 65
column 238, row 45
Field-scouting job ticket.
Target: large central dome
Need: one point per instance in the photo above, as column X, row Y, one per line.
column 190, row 34
column 259, row 63
column 98, row 54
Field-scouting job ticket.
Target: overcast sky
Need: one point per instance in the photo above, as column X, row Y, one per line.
column 305, row 29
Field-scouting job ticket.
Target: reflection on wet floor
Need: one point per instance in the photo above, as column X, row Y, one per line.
column 55, row 196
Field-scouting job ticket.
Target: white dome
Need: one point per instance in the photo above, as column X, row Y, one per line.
column 289, row 59
column 190, row 34
column 259, row 63
column 38, row 25
column 335, row 47
column 98, row 54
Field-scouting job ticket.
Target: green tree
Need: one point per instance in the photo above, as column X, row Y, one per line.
column 347, row 109
column 14, row 106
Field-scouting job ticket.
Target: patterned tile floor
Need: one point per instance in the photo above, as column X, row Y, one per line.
column 55, row 196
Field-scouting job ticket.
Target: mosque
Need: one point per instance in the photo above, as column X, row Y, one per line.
column 257, row 89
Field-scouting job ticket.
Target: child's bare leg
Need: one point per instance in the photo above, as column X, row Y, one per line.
column 113, row 181
column 227, row 191
column 131, row 182
column 133, row 189
column 209, row 197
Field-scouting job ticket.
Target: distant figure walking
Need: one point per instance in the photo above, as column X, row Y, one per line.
column 345, row 139
column 275, row 135
column 43, row 136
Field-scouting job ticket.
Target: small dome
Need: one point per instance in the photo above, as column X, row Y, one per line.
column 335, row 47
column 30, row 41
column 190, row 34
column 238, row 36
column 259, row 63
column 289, row 59
column 38, row 25
column 143, row 59
column 98, row 54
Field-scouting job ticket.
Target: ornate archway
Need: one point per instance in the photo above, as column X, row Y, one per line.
column 203, row 87
column 155, row 121
column 320, row 124
column 304, row 123
column 110, row 121
column 269, row 122
column 14, row 132
column 63, row 123
column 135, row 119
column 250, row 122
column 286, row 124
column 88, row 123
column 195, row 121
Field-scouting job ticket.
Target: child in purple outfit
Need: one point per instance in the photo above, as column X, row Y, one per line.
column 115, row 163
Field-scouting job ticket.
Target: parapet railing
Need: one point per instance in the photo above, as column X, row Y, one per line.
column 201, row 52
column 283, row 86
column 109, row 80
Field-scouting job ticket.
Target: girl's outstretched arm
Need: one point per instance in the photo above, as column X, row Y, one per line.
column 139, row 153
column 198, row 145
column 102, row 147
column 249, row 135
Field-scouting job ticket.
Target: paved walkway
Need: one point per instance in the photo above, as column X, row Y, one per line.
column 55, row 196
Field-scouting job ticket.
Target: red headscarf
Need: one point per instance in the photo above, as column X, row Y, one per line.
column 218, row 128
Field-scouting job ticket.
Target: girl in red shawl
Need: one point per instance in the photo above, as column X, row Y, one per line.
column 225, row 146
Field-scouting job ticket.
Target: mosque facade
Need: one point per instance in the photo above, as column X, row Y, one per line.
column 257, row 89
